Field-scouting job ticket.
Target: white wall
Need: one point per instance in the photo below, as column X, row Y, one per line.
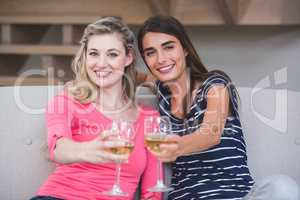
column 249, row 54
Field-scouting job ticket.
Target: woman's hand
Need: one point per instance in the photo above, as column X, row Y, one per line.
column 170, row 150
column 95, row 151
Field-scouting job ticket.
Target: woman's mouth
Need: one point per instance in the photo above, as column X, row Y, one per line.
column 165, row 69
column 102, row 74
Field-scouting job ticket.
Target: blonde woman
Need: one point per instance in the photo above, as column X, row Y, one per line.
column 101, row 92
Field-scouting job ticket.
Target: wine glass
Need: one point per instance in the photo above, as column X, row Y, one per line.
column 120, row 131
column 156, row 129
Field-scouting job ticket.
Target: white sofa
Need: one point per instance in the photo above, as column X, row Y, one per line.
column 273, row 142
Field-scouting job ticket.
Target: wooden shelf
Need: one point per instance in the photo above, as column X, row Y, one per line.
column 76, row 20
column 189, row 12
column 17, row 49
column 17, row 81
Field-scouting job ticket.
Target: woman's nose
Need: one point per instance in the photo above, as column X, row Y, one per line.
column 161, row 57
column 102, row 61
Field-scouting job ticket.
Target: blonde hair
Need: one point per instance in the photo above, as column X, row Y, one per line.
column 82, row 88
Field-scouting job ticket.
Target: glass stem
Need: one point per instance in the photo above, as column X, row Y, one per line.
column 159, row 175
column 118, row 170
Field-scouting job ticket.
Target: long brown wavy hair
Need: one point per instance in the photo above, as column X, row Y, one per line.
column 171, row 26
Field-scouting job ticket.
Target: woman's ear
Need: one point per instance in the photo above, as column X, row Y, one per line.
column 129, row 58
column 185, row 52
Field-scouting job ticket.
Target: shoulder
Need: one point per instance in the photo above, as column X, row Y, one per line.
column 63, row 101
column 64, row 95
column 67, row 93
column 216, row 81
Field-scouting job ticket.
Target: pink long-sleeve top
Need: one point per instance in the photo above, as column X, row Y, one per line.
column 66, row 117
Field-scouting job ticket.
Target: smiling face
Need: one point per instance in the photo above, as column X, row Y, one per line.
column 106, row 59
column 164, row 55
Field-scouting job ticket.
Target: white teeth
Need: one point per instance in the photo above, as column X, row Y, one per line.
column 165, row 69
column 102, row 73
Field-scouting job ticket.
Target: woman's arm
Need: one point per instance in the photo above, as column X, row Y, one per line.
column 209, row 133
column 62, row 147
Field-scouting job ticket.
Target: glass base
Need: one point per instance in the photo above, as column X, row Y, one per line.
column 116, row 191
column 160, row 187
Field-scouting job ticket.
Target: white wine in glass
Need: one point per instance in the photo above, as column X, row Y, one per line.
column 120, row 131
column 156, row 129
column 153, row 141
column 124, row 150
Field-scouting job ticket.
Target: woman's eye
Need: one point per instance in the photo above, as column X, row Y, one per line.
column 169, row 47
column 93, row 53
column 149, row 53
column 113, row 55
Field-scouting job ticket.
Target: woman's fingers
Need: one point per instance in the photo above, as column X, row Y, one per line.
column 112, row 144
column 169, row 150
column 110, row 157
column 105, row 151
column 172, row 145
column 111, row 150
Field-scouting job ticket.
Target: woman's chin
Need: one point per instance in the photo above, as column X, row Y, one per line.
column 106, row 83
column 103, row 84
column 166, row 78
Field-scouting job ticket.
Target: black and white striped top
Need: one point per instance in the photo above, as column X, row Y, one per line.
column 220, row 172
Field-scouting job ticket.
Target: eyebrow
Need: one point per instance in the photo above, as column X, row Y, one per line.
column 168, row 42
column 113, row 49
column 92, row 49
column 163, row 44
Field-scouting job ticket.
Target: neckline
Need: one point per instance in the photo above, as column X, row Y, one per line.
column 194, row 101
column 135, row 121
